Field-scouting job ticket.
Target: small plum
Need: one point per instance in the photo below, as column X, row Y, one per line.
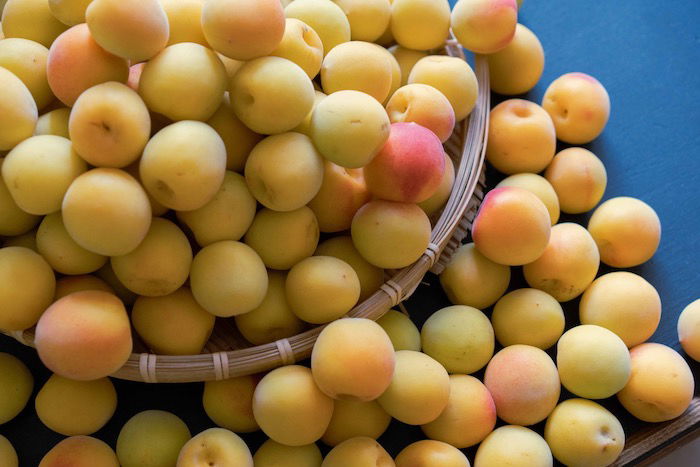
column 228, row 278
column 27, row 60
column 53, row 122
column 69, row 12
column 243, row 29
column 326, row 18
column 302, row 46
column 217, row 446
column 626, row 230
column 420, row 24
column 472, row 279
column 274, row 454
column 431, row 453
column 16, row 384
column 528, row 316
column 568, row 264
column 424, row 105
column 470, row 414
column 18, row 112
column 84, row 336
column 371, row 277
column 538, row 186
column 406, row 58
column 172, row 324
column 70, row 284
column 484, row 26
column 282, row 239
column 349, row 128
column 368, row 18
column 689, row 330
column 436, row 202
column 452, row 76
column 579, row 106
column 152, row 438
column 524, row 383
column 459, row 337
column 185, row 21
column 661, row 386
column 238, row 138
column 512, row 226
column 80, row 451
column 290, row 408
column 390, row 235
column 31, row 19
column 515, row 446
column 579, row 178
column 8, row 455
column 75, row 407
column 229, row 403
column 521, row 137
column 623, row 302
column 353, row 359
column 517, row 67
column 401, row 330
column 62, row 252
column 355, row 418
column 360, row 451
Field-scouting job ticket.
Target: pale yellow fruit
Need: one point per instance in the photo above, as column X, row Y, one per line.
column 359, row 451
column 183, row 165
column 515, row 446
column 540, row 187
column 355, row 418
column 16, row 384
column 581, row 432
column 109, row 125
column 217, row 446
column 284, row 172
column 80, row 451
column 358, row 66
column 626, row 230
column 424, row 105
column 484, row 26
column 459, row 337
column 395, row 71
column 349, row 128
column 623, row 302
column 8, row 455
column 579, row 178
column 62, row 252
column 661, row 386
column 54, row 122
column 173, row 324
column 368, row 18
column 370, row 276
column 132, row 29
column 117, row 288
column 282, row 239
column 274, row 454
column 420, row 24
column 152, row 438
column 159, row 265
column 353, row 359
column 431, row 453
column 13, row 220
column 185, row 21
column 27, row 60
column 75, row 407
column 18, row 112
column 528, row 316
column 305, row 126
column 689, row 330
column 401, row 330
column 320, row 289
column 227, row 216
column 271, row 95
column 27, row 240
column 419, row 389
column 472, row 279
column 157, row 209
column 106, row 211
column 290, row 408
column 390, row 235
column 232, row 66
column 69, row 12
column 39, row 170
column 228, row 278
column 568, row 264
column 517, row 68
column 451, row 76
column 71, row 284
column 326, row 18
column 23, row 305
column 302, row 46
column 406, row 58
column 243, row 29
column 238, row 138
column 31, row 19
column 185, row 81
column 229, row 403
column 273, row 319
column 593, row 362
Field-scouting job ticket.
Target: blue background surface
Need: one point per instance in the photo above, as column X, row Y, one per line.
column 647, row 54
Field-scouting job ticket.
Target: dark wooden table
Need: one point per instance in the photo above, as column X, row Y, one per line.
column 646, row 53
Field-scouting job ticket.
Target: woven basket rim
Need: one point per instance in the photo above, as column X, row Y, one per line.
column 450, row 229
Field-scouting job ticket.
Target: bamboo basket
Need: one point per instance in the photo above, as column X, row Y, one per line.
column 230, row 355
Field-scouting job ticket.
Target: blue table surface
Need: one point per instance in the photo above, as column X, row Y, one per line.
column 647, row 54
